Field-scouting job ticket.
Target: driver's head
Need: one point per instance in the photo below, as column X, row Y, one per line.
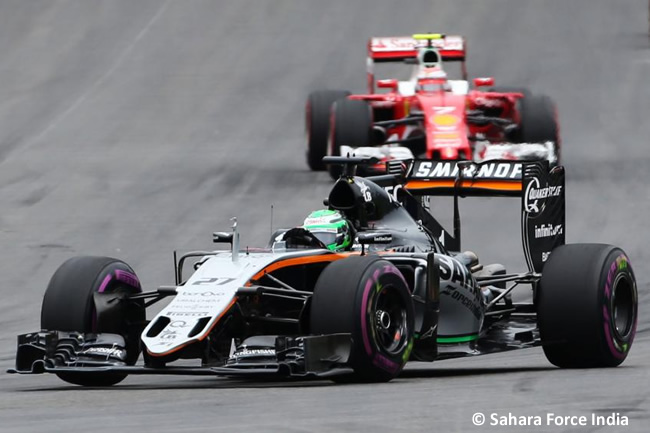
column 331, row 228
column 429, row 58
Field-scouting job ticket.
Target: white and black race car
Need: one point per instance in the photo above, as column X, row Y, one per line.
column 403, row 292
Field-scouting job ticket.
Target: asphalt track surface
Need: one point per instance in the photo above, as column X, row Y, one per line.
column 133, row 128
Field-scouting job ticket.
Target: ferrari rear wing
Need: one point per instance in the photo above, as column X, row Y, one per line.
column 540, row 189
column 398, row 48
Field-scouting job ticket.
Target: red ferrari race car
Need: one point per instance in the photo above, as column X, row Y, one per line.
column 430, row 114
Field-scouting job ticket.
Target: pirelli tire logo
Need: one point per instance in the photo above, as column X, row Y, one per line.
column 548, row 230
column 535, row 196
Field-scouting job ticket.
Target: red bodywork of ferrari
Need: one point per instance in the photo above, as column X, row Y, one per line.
column 446, row 130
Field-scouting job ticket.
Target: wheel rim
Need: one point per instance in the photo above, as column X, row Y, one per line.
column 623, row 307
column 390, row 321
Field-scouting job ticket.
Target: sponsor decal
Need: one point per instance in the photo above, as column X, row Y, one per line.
column 178, row 324
column 488, row 102
column 408, row 44
column 545, row 256
column 467, row 303
column 392, row 192
column 548, row 230
column 365, row 190
column 450, row 169
column 188, row 313
column 446, row 135
column 217, row 281
column 452, row 271
column 445, row 120
column 454, row 276
column 254, row 352
column 535, row 193
column 105, row 351
column 168, row 335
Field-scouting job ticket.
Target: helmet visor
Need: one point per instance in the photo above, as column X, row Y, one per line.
column 330, row 238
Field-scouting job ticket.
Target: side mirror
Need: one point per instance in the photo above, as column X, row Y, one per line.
column 387, row 84
column 222, row 238
column 484, row 82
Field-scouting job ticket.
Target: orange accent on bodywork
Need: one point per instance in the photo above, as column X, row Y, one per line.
column 301, row 261
column 477, row 184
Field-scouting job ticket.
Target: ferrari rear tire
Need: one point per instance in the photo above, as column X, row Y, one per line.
column 351, row 126
column 317, row 124
column 68, row 305
column 587, row 306
column 369, row 299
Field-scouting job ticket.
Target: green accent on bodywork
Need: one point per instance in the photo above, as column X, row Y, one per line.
column 407, row 352
column 451, row 340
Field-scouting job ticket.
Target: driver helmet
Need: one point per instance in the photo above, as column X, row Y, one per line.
column 331, row 228
column 430, row 67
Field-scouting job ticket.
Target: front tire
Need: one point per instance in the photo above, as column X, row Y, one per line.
column 317, row 124
column 587, row 306
column 351, row 126
column 68, row 305
column 539, row 122
column 368, row 298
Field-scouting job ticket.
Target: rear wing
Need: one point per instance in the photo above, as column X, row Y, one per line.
column 398, row 48
column 540, row 189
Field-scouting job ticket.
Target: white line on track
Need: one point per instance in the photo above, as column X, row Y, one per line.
column 118, row 62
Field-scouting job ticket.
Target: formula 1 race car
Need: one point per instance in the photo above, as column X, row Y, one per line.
column 354, row 293
column 429, row 115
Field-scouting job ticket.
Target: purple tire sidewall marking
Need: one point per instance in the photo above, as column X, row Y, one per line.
column 391, row 270
column 364, row 309
column 607, row 323
column 386, row 364
column 120, row 275
column 378, row 359
column 107, row 279
column 128, row 278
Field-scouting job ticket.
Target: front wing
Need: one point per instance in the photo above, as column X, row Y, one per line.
column 59, row 352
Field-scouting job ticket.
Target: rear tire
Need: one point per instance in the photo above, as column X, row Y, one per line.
column 587, row 306
column 68, row 305
column 368, row 298
column 317, row 124
column 351, row 126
